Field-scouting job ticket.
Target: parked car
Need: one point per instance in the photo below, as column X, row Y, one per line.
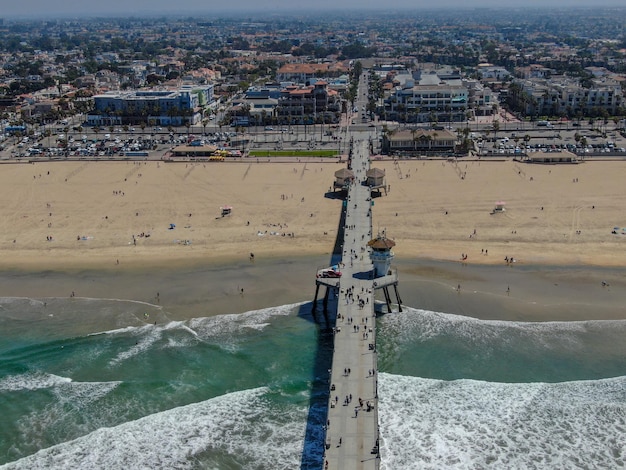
column 329, row 273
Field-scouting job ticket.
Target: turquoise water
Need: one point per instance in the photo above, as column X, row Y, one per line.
column 246, row 390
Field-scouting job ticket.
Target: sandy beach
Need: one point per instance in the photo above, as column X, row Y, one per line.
column 85, row 214
column 98, row 227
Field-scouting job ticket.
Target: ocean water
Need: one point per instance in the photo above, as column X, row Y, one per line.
column 87, row 383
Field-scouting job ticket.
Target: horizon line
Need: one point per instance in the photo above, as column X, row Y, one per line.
column 178, row 13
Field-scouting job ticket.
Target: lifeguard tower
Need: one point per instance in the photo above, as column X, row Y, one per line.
column 381, row 255
column 499, row 208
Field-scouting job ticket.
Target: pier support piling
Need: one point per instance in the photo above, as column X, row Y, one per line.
column 314, row 309
column 395, row 288
column 387, row 298
column 326, row 305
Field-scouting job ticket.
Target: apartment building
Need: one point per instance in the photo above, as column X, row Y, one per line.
column 287, row 103
column 159, row 107
column 565, row 96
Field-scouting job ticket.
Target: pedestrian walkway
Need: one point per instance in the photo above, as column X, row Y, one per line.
column 352, row 427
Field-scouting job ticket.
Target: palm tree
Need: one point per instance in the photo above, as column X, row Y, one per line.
column 48, row 133
column 387, row 133
column 172, row 112
column 413, row 133
column 433, row 138
column 426, row 139
column 462, row 136
column 526, row 139
column 496, row 127
column 432, row 118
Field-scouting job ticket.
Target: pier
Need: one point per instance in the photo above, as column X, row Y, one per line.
column 352, row 438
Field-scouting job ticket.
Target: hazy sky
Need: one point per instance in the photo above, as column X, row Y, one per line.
column 22, row 8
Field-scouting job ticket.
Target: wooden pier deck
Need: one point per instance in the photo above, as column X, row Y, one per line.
column 352, row 427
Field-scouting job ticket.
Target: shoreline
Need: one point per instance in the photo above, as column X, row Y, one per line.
column 536, row 293
column 116, row 259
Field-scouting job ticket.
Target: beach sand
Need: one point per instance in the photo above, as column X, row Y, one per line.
column 69, row 227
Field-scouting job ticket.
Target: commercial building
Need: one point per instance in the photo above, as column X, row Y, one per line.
column 437, row 96
column 151, row 107
column 419, row 141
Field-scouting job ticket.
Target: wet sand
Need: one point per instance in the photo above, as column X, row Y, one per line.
column 537, row 293
column 515, row 293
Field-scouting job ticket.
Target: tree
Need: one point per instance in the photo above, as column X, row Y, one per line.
column 48, row 133
column 415, row 139
column 433, row 138
column 496, row 127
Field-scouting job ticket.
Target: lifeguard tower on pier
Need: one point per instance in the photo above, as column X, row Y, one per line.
column 381, row 255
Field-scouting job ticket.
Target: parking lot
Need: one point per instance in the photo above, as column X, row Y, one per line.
column 58, row 141
column 580, row 141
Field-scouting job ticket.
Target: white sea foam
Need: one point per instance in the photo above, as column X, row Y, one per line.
column 218, row 326
column 81, row 394
column 213, row 326
column 242, row 428
column 31, row 381
column 466, row 424
column 66, row 389
column 147, row 336
column 116, row 331
column 414, row 325
column 27, row 300
column 77, row 409
column 225, row 328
